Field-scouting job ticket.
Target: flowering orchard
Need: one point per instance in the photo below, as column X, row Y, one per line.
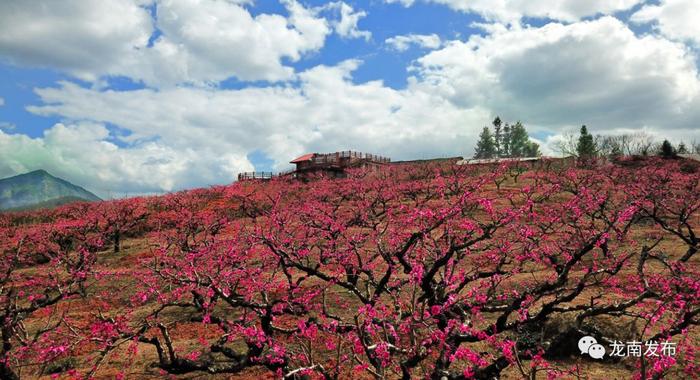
column 453, row 272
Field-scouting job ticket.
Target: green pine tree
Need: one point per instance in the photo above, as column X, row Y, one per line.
column 519, row 141
column 533, row 149
column 485, row 147
column 497, row 136
column 667, row 150
column 585, row 147
column 505, row 141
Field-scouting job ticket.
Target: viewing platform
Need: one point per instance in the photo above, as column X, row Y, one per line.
column 330, row 164
column 335, row 164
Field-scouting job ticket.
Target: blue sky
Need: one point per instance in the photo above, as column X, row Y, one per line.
column 380, row 63
column 147, row 96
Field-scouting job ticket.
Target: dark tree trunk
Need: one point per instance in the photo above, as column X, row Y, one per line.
column 117, row 240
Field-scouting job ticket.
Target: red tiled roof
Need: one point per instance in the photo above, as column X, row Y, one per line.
column 306, row 157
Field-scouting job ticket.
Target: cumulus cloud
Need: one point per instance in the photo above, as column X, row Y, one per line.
column 201, row 40
column 404, row 42
column 82, row 38
column 212, row 40
column 204, row 135
column 675, row 19
column 596, row 72
column 346, row 25
column 82, row 153
column 511, row 11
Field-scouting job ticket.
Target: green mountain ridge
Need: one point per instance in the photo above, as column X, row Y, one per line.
column 39, row 189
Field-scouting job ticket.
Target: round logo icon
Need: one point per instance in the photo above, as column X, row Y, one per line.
column 589, row 345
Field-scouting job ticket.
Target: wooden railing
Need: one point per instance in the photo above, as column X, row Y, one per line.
column 247, row 176
column 255, row 175
column 337, row 157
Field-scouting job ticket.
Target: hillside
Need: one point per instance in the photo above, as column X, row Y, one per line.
column 414, row 271
column 39, row 189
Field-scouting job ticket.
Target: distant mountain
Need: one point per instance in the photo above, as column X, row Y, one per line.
column 39, row 189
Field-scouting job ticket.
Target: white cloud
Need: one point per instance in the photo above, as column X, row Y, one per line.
column 86, row 39
column 346, row 25
column 2, row 102
column 511, row 11
column 82, row 154
column 404, row 42
column 212, row 40
column 204, row 135
column 202, row 40
column 596, row 72
column 675, row 19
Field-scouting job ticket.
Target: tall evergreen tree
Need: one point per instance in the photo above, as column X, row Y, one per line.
column 497, row 137
column 533, row 149
column 505, row 141
column 667, row 149
column 519, row 141
column 585, row 147
column 485, row 147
